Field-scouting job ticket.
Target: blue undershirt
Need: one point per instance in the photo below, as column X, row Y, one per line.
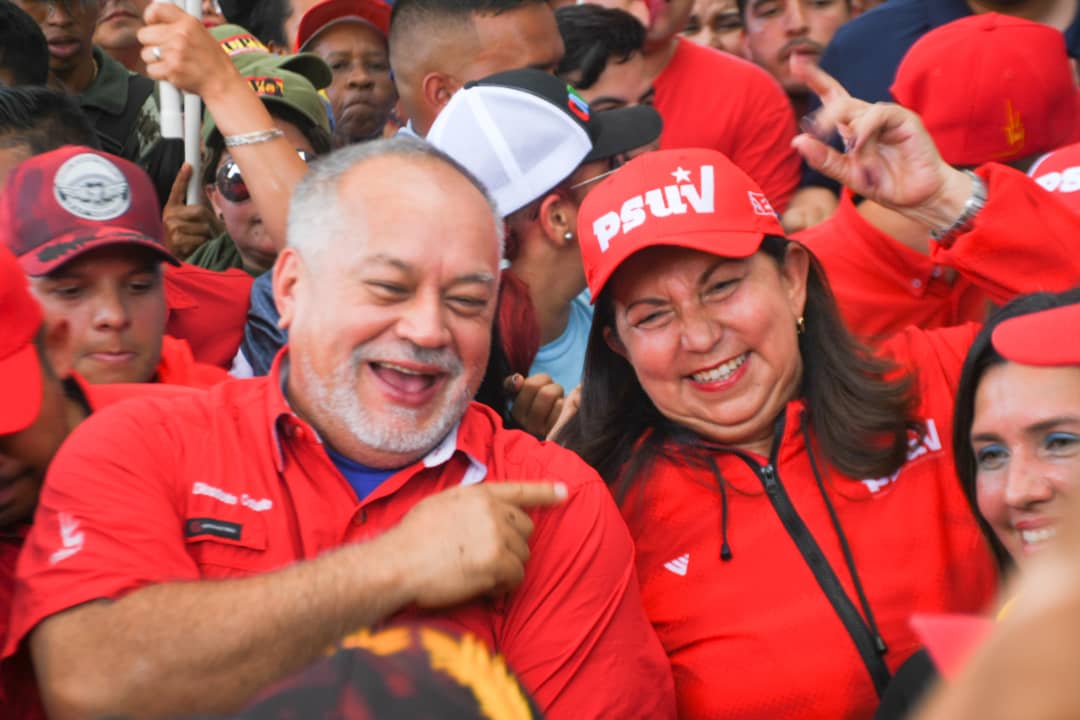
column 363, row 479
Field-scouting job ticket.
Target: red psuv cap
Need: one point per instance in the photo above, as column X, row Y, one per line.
column 61, row 204
column 20, row 374
column 696, row 199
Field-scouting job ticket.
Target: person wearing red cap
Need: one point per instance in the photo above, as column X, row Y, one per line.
column 791, row 496
column 350, row 35
column 42, row 405
column 85, row 229
column 1016, row 440
column 354, row 484
column 989, row 88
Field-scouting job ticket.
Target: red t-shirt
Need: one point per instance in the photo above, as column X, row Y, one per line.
column 574, row 631
column 208, row 309
column 178, row 367
column 881, row 285
column 712, row 99
column 755, row 636
column 19, row 698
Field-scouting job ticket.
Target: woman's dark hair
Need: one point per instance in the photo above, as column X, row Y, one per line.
column 319, row 138
column 859, row 410
column 981, row 357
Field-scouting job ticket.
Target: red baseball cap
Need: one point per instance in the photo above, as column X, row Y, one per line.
column 330, row 12
column 61, row 204
column 20, row 374
column 990, row 87
column 1059, row 172
column 696, row 199
column 1048, row 338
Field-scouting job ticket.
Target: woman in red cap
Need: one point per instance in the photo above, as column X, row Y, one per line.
column 792, row 497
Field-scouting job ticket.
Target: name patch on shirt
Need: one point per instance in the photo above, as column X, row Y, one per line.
column 200, row 527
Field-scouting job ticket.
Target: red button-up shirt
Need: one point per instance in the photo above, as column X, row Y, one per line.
column 232, row 484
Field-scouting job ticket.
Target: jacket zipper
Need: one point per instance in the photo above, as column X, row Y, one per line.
column 868, row 646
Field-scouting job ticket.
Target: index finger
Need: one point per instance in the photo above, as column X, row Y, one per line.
column 528, row 494
column 178, row 193
column 821, row 83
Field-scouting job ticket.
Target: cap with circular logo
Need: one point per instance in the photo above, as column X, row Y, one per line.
column 20, row 374
column 696, row 199
column 61, row 204
column 1049, row 338
column 321, row 16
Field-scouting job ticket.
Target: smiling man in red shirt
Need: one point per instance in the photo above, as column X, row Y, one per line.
column 354, row 484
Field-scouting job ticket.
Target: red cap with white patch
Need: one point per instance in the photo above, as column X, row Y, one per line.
column 696, row 199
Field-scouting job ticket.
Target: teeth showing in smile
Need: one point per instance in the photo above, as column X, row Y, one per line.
column 720, row 372
column 398, row 368
column 1033, row 537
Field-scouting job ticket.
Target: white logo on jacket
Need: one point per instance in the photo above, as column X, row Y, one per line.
column 658, row 203
column 201, row 488
column 679, row 565
column 71, row 538
column 929, row 442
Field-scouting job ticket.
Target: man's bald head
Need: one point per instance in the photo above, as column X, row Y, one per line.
column 436, row 46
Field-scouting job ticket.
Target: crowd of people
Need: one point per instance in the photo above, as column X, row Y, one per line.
column 532, row 358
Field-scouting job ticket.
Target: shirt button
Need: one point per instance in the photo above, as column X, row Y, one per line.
column 916, row 283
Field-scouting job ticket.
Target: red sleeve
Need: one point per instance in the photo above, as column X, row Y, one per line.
column 1023, row 241
column 764, row 150
column 576, row 632
column 107, row 523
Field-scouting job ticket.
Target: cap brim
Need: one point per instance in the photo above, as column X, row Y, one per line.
column 728, row 244
column 319, row 17
column 308, row 65
column 62, row 249
column 20, row 386
column 1049, row 338
column 619, row 131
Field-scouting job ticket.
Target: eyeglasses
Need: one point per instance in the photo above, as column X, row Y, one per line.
column 614, row 163
column 230, row 183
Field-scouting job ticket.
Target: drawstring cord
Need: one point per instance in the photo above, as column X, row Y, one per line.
column 849, row 559
column 725, row 548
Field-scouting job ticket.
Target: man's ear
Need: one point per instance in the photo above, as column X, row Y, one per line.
column 288, row 276
column 437, row 89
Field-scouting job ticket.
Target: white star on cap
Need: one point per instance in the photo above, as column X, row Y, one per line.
column 681, row 176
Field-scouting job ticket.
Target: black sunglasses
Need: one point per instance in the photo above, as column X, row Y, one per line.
column 230, row 183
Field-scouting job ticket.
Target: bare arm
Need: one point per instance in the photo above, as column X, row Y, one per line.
column 193, row 61
column 209, row 646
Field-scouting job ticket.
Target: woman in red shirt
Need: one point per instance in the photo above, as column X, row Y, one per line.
column 791, row 496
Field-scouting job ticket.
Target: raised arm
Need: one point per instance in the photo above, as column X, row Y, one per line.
column 1020, row 241
column 193, row 61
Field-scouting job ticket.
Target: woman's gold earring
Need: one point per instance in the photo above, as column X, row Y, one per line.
column 800, row 325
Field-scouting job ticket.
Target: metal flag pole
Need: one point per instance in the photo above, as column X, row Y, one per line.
column 193, row 126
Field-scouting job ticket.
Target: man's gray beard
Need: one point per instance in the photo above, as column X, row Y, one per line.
column 340, row 399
